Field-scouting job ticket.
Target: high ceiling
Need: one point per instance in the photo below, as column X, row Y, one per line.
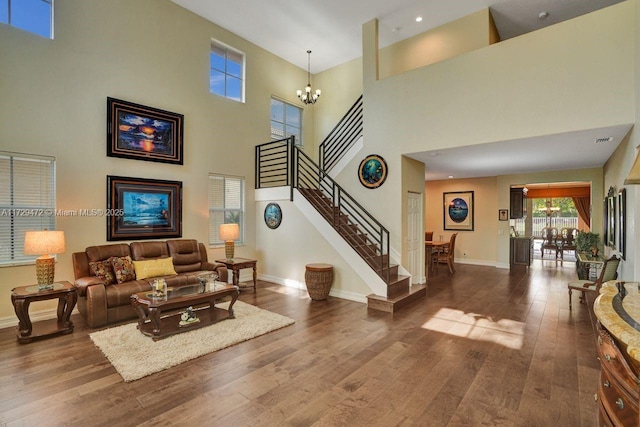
column 331, row 29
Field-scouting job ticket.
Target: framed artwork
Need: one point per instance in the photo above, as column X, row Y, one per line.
column 273, row 215
column 610, row 218
column 622, row 213
column 143, row 133
column 458, row 210
column 503, row 214
column 372, row 171
column 147, row 208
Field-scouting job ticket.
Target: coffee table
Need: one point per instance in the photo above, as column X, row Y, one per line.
column 159, row 316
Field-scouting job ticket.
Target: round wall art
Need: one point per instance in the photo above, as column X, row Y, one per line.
column 273, row 215
column 372, row 171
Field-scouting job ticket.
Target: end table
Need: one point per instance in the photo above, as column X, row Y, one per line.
column 22, row 296
column 237, row 264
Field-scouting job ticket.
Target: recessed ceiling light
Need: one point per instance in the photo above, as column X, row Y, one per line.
column 418, row 18
column 543, row 15
column 450, row 176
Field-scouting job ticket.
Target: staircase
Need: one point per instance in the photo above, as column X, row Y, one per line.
column 283, row 163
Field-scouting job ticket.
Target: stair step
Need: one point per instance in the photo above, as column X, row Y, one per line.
column 393, row 304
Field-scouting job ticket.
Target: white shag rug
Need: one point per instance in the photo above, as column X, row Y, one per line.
column 135, row 355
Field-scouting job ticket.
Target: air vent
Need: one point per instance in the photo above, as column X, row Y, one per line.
column 601, row 140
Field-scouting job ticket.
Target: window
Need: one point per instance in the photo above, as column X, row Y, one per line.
column 27, row 202
column 35, row 16
column 226, row 205
column 286, row 120
column 226, row 76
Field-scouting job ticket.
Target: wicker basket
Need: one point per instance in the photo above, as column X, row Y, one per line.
column 318, row 278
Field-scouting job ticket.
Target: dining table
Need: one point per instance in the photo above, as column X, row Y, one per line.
column 430, row 247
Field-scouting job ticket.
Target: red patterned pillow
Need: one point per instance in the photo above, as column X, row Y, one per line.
column 123, row 268
column 103, row 270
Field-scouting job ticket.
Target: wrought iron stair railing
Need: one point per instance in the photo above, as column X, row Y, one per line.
column 282, row 163
column 342, row 137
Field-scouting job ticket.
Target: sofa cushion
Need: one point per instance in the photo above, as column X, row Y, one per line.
column 103, row 270
column 104, row 252
column 123, row 269
column 154, row 268
column 148, row 250
column 185, row 254
column 120, row 295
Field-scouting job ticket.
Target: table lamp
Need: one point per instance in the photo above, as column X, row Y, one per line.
column 229, row 233
column 44, row 243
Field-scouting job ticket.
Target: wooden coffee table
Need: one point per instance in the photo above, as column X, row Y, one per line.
column 160, row 316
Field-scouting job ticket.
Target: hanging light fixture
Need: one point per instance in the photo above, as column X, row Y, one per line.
column 307, row 97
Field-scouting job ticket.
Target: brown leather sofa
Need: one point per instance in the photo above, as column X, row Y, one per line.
column 101, row 303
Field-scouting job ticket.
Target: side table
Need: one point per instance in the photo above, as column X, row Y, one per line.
column 237, row 264
column 22, row 296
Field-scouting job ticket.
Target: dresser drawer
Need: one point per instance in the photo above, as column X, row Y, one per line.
column 612, row 361
column 618, row 405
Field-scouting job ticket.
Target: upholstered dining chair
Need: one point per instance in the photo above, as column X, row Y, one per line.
column 609, row 272
column 447, row 254
column 568, row 242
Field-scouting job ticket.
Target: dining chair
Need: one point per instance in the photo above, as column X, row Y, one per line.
column 446, row 254
column 609, row 272
column 568, row 242
column 428, row 236
column 549, row 241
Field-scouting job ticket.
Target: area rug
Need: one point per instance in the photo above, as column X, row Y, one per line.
column 135, row 355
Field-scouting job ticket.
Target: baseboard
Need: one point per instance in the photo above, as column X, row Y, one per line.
column 36, row 316
column 351, row 296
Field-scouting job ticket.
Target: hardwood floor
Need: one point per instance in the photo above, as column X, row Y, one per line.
column 486, row 347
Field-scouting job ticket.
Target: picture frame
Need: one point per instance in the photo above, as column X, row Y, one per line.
column 622, row 225
column 143, row 208
column 458, row 210
column 139, row 132
column 372, row 171
column 273, row 215
column 610, row 218
column 503, row 214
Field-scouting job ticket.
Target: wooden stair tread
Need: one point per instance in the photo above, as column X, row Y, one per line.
column 393, row 304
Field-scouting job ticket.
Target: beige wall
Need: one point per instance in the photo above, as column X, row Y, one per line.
column 544, row 82
column 473, row 247
column 151, row 52
column 455, row 38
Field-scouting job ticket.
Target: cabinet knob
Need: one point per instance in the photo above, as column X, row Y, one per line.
column 599, row 340
column 595, row 397
column 620, row 403
column 606, row 356
column 607, row 383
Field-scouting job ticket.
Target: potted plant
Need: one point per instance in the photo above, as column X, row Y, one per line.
column 586, row 242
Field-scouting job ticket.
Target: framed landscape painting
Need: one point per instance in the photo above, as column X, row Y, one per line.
column 458, row 210
column 147, row 208
column 144, row 133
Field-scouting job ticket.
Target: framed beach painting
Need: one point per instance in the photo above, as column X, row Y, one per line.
column 458, row 210
column 148, row 208
column 144, row 133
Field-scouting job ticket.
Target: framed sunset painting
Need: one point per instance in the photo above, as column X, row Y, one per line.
column 144, row 133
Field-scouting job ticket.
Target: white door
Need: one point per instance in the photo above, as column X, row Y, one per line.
column 415, row 236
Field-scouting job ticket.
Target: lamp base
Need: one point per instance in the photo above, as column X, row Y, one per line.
column 229, row 249
column 45, row 271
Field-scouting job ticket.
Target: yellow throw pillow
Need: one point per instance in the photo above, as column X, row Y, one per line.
column 154, row 268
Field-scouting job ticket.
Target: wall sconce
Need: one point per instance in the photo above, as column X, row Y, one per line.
column 229, row 233
column 44, row 243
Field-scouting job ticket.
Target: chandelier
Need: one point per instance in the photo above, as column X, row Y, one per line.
column 307, row 97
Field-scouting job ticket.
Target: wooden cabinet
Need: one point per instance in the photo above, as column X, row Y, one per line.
column 520, row 251
column 618, row 386
column 518, row 203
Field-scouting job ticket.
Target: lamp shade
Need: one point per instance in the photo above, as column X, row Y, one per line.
column 229, row 232
column 44, row 242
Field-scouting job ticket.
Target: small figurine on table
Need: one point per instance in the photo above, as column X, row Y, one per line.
column 188, row 317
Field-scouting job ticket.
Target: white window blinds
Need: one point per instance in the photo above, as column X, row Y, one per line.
column 27, row 202
column 226, row 205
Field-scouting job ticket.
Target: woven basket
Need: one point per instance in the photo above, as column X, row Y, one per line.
column 318, row 278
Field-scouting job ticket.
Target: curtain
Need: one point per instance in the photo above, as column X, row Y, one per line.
column 583, row 207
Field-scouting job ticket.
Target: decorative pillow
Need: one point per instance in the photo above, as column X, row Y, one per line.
column 154, row 268
column 123, row 268
column 103, row 270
